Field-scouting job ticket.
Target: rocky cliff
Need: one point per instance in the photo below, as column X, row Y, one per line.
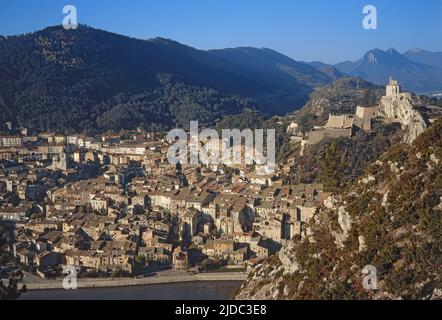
column 388, row 222
column 401, row 109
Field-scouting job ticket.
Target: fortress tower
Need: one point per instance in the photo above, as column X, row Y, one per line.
column 393, row 88
column 392, row 99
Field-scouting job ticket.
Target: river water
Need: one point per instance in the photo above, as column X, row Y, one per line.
column 171, row 291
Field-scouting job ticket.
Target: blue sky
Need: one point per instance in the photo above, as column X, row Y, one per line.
column 325, row 30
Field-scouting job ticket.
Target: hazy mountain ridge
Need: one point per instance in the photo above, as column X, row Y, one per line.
column 425, row 57
column 328, row 69
column 269, row 61
column 417, row 71
column 273, row 68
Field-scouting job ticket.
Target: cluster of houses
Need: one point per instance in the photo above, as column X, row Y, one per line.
column 113, row 204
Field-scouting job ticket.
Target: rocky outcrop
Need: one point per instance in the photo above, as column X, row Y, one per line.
column 401, row 110
column 260, row 285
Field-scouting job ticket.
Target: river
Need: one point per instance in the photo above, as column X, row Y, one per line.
column 172, row 291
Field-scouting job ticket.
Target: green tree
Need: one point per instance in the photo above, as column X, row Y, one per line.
column 332, row 166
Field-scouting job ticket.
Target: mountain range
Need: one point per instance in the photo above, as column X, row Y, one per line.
column 93, row 80
column 425, row 57
column 417, row 70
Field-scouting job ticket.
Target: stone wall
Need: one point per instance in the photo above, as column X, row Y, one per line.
column 316, row 136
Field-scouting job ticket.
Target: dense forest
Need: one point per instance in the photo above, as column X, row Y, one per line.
column 89, row 79
column 174, row 104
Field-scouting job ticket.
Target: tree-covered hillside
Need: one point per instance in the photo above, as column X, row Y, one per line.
column 57, row 79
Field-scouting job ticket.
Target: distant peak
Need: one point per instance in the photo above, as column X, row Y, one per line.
column 375, row 50
column 376, row 56
column 416, row 50
column 392, row 51
column 372, row 56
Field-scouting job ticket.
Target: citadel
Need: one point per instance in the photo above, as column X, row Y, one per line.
column 394, row 107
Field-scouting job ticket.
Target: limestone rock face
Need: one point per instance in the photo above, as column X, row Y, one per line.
column 288, row 259
column 362, row 244
column 400, row 108
column 320, row 106
column 344, row 220
column 267, row 281
column 330, row 202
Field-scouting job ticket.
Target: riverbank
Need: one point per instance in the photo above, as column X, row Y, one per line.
column 128, row 282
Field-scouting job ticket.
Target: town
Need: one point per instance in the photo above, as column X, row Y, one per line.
column 112, row 205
